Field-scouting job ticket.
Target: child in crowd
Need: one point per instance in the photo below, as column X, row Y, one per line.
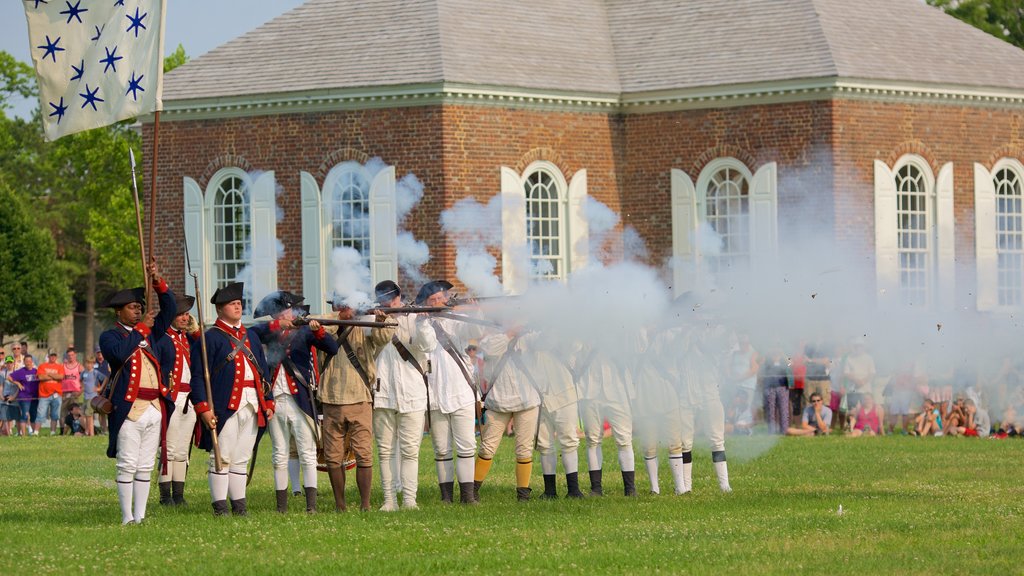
column 929, row 421
column 74, row 422
column 867, row 421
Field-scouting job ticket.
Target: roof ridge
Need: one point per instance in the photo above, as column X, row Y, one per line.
column 820, row 27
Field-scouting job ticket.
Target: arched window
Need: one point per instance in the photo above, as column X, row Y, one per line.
column 545, row 228
column 913, row 235
column 1009, row 236
column 350, row 210
column 232, row 241
column 727, row 211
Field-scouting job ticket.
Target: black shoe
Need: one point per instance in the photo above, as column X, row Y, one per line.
column 467, row 494
column 178, row 493
column 447, row 491
column 220, row 508
column 523, row 494
column 595, row 483
column 549, row 487
column 572, row 481
column 476, row 491
column 165, row 494
column 629, row 483
column 282, row 500
column 238, row 507
column 310, row 499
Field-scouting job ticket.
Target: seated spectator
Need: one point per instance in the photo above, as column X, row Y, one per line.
column 977, row 423
column 738, row 417
column 1013, row 416
column 929, row 421
column 74, row 422
column 867, row 421
column 816, row 419
column 956, row 417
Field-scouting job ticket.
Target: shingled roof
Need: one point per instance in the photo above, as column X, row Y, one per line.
column 608, row 47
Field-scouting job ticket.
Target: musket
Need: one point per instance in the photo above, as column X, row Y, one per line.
column 206, row 364
column 355, row 323
column 470, row 320
column 469, row 301
column 409, row 309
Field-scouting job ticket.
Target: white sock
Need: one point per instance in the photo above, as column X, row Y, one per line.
column 218, row 485
column 548, row 464
column 387, row 484
column 687, row 477
column 570, row 461
column 293, row 476
column 675, row 463
column 309, row 476
column 445, row 470
column 140, row 492
column 652, row 473
column 594, row 458
column 465, row 468
column 178, row 471
column 124, row 497
column 396, row 470
column 237, row 478
column 281, row 479
column 722, row 470
column 627, row 463
column 410, row 481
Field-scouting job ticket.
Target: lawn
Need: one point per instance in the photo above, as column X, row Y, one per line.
column 909, row 506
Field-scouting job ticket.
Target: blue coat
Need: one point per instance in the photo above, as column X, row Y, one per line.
column 119, row 344
column 224, row 382
column 297, row 344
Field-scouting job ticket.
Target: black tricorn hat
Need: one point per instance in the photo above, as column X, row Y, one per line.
column 229, row 293
column 431, row 288
column 276, row 302
column 184, row 302
column 337, row 302
column 386, row 291
column 126, row 297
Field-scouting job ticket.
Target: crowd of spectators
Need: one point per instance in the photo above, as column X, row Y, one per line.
column 52, row 395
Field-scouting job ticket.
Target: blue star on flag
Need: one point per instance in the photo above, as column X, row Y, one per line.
column 136, row 22
column 51, row 47
column 74, row 11
column 91, row 98
column 118, row 2
column 79, row 70
column 99, row 32
column 110, row 60
column 58, row 109
column 38, row 2
column 134, row 85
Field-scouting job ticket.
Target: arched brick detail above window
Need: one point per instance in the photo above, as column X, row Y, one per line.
column 543, row 155
column 1007, row 151
column 915, row 148
column 340, row 156
column 225, row 161
column 723, row 151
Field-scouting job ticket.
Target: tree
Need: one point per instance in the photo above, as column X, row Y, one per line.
column 36, row 294
column 1003, row 19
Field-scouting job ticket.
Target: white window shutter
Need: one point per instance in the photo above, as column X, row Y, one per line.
column 887, row 272
column 579, row 228
column 264, row 236
column 945, row 238
column 985, row 239
column 312, row 244
column 764, row 218
column 515, row 258
column 684, row 226
column 383, row 227
column 195, row 240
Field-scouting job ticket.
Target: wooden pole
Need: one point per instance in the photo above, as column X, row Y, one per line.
column 152, row 181
column 138, row 222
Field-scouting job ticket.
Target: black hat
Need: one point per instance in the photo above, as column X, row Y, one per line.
column 431, row 288
column 184, row 302
column 386, row 291
column 337, row 302
column 276, row 302
column 303, row 309
column 125, row 297
column 229, row 293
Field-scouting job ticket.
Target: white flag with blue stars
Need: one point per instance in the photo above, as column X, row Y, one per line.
column 97, row 61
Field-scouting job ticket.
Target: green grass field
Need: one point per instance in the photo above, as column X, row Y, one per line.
column 910, row 506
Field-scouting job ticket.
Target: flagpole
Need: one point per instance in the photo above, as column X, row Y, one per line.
column 152, row 182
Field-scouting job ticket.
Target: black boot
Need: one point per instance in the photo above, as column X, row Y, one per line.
column 549, row 487
column 165, row 494
column 476, row 491
column 629, row 483
column 282, row 500
column 595, row 483
column 523, row 494
column 178, row 493
column 310, row 499
column 238, row 507
column 467, row 495
column 220, row 508
column 447, row 492
column 572, row 481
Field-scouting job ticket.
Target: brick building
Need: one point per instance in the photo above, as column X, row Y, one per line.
column 883, row 126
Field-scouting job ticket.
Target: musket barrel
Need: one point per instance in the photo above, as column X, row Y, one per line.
column 355, row 323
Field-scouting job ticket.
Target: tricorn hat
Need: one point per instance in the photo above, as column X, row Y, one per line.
column 386, row 291
column 276, row 302
column 229, row 293
column 125, row 297
column 431, row 288
column 184, row 302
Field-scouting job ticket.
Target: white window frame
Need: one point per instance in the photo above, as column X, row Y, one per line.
column 317, row 240
column 263, row 243
column 517, row 260
column 689, row 211
column 986, row 234
column 939, row 215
